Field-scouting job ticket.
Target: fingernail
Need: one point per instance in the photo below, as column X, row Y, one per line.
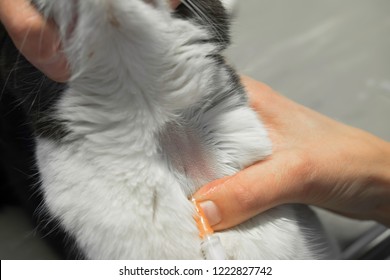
column 211, row 212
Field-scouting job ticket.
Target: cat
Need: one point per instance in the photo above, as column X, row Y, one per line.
column 151, row 112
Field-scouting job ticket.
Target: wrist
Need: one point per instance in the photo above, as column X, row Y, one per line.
column 353, row 177
column 379, row 181
column 380, row 162
column 386, row 164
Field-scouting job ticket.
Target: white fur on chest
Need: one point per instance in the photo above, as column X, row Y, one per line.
column 134, row 209
column 122, row 203
column 107, row 182
column 117, row 208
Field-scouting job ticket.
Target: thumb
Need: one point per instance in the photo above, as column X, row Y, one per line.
column 35, row 37
column 232, row 200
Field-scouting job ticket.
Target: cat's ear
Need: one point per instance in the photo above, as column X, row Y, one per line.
column 230, row 6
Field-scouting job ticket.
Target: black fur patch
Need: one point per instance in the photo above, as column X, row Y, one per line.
column 209, row 14
column 36, row 94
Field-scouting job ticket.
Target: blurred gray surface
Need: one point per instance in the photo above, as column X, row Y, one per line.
column 330, row 55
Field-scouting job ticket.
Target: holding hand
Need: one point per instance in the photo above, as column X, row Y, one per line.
column 315, row 160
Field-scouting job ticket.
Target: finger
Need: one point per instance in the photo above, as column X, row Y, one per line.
column 35, row 37
column 232, row 200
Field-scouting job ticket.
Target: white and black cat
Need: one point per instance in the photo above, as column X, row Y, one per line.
column 151, row 113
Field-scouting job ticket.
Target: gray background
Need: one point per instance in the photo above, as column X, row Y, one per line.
column 330, row 55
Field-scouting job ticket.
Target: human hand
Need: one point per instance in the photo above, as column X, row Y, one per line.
column 37, row 38
column 315, row 160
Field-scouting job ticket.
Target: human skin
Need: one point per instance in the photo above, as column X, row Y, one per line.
column 37, row 38
column 315, row 160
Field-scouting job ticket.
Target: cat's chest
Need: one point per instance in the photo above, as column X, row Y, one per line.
column 119, row 199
